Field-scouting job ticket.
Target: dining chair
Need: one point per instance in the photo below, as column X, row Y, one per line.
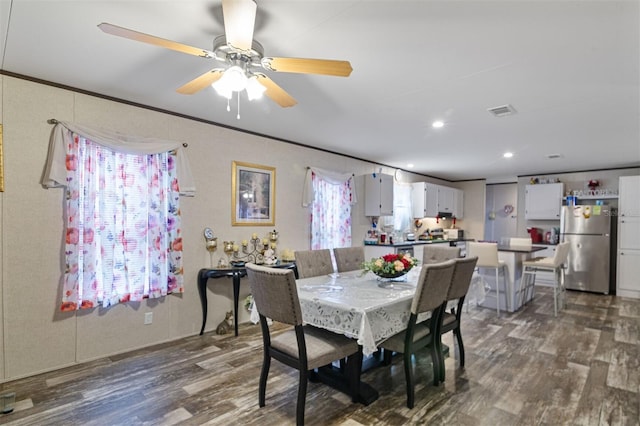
column 520, row 242
column 554, row 264
column 450, row 321
column 349, row 258
column 487, row 254
column 435, row 253
column 313, row 263
column 431, row 291
column 302, row 347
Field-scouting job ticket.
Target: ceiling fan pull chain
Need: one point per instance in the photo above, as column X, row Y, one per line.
column 228, row 107
column 238, row 116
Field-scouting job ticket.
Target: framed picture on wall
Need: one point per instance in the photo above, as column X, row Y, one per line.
column 253, row 194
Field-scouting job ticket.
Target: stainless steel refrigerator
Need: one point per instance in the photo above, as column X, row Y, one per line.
column 589, row 230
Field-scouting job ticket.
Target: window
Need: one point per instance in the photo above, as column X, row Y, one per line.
column 123, row 236
column 331, row 202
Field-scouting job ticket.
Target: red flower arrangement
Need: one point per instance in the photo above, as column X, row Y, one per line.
column 593, row 184
column 390, row 265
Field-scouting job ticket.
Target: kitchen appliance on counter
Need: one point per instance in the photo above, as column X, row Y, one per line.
column 591, row 234
column 454, row 234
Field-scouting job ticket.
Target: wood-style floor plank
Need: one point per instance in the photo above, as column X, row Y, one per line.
column 523, row 368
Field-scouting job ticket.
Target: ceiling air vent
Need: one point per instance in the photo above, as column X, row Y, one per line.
column 554, row 156
column 501, row 111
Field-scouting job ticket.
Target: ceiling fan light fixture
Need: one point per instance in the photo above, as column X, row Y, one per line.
column 254, row 88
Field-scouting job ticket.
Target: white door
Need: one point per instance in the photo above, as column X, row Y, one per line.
column 498, row 223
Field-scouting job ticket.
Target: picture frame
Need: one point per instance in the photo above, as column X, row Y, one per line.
column 253, row 194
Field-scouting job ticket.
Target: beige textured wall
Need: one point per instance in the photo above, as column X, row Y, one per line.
column 37, row 337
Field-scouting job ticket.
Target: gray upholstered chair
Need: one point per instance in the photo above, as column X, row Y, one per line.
column 431, row 291
column 313, row 263
column 349, row 258
column 436, row 253
column 450, row 321
column 304, row 348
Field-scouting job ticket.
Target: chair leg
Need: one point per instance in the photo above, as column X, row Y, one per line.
column 458, row 335
column 262, row 388
column 408, row 374
column 498, row 291
column 302, row 395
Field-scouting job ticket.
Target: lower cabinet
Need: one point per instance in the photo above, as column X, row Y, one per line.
column 628, row 271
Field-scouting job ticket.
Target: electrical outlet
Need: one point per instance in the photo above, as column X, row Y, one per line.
column 148, row 317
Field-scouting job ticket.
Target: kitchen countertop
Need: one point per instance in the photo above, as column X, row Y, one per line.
column 420, row 242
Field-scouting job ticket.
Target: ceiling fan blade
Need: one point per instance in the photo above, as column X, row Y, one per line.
column 239, row 20
column 275, row 92
column 308, row 66
column 157, row 41
column 201, row 82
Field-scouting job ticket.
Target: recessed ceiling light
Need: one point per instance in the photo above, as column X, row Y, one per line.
column 437, row 124
column 410, row 166
column 507, row 154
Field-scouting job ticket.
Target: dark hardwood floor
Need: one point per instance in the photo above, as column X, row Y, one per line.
column 525, row 368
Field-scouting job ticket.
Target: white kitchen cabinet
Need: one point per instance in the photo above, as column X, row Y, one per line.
column 628, row 270
column 446, row 199
column 543, row 201
column 430, row 199
column 458, row 211
column 628, row 267
column 629, row 233
column 424, row 197
column 629, row 196
column 378, row 198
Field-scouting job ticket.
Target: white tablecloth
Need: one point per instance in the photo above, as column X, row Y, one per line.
column 359, row 306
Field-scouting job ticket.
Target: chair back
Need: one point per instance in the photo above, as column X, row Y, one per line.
column 349, row 258
column 313, row 263
column 275, row 294
column 561, row 254
column 461, row 280
column 520, row 242
column 487, row 254
column 436, row 254
column 433, row 286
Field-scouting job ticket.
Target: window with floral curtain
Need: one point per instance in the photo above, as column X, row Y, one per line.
column 330, row 196
column 123, row 232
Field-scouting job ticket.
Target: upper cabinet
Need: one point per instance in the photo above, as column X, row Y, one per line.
column 458, row 211
column 378, row 197
column 430, row 200
column 629, row 201
column 424, row 197
column 543, row 201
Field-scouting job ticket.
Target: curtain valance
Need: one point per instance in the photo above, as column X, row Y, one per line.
column 55, row 174
column 335, row 178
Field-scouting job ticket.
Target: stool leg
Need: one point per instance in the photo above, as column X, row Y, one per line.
column 498, row 291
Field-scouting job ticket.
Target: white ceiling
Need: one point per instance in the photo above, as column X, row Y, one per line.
column 571, row 69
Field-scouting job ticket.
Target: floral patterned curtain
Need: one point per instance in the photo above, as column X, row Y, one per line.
column 330, row 212
column 123, row 236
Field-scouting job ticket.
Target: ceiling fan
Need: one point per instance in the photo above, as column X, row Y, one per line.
column 242, row 58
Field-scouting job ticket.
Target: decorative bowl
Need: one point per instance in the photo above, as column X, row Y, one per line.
column 390, row 276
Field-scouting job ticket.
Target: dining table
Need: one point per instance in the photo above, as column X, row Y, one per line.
column 358, row 305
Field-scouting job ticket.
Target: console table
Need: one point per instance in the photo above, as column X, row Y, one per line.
column 235, row 273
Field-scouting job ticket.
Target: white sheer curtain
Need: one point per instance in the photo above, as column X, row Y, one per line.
column 123, row 225
column 330, row 196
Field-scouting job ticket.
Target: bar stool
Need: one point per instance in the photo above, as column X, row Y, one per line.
column 554, row 264
column 487, row 254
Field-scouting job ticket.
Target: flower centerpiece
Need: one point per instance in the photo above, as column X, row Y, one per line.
column 390, row 265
